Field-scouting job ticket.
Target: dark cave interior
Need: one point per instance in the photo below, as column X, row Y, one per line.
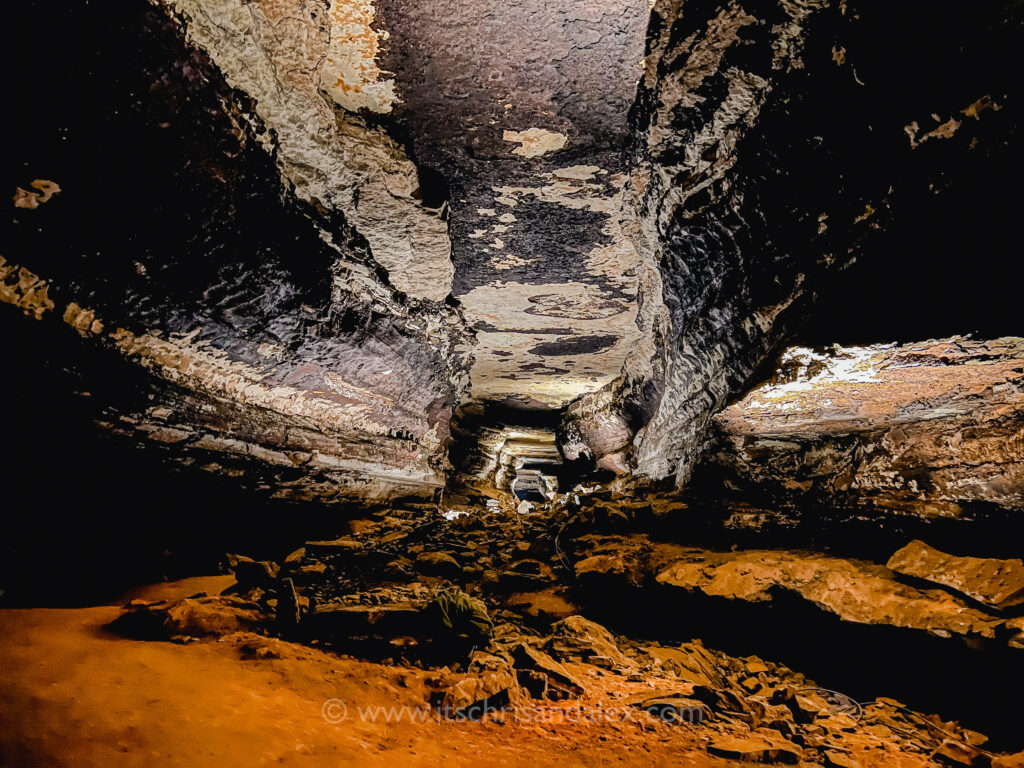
column 621, row 308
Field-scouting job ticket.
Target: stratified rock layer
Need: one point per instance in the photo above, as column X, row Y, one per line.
column 921, row 428
column 778, row 143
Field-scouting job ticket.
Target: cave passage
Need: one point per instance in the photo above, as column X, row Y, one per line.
column 550, row 383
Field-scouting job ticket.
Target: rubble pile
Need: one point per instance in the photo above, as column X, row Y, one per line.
column 490, row 602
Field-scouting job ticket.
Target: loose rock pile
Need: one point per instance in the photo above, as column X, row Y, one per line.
column 489, row 601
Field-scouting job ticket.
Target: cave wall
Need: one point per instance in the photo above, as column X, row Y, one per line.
column 776, row 146
column 208, row 229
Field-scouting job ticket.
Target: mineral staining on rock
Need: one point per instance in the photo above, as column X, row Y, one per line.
column 532, row 158
column 535, row 142
column 350, row 73
column 277, row 54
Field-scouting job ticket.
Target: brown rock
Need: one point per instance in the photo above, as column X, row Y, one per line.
column 676, row 709
column 561, row 683
column 921, row 428
column 836, row 759
column 192, row 617
column 249, row 573
column 690, row 661
column 437, row 564
column 491, row 685
column 954, row 753
column 996, row 583
column 756, row 747
column 335, row 546
column 577, row 638
column 854, row 590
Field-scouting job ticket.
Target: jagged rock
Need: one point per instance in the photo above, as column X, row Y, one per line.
column 545, row 677
column 491, row 685
column 995, row 583
column 385, row 622
column 676, row 709
column 763, row 746
column 611, row 559
column 437, row 564
column 952, row 752
column 853, row 590
column 689, row 661
column 577, row 638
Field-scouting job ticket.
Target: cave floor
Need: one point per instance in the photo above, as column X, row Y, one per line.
column 73, row 693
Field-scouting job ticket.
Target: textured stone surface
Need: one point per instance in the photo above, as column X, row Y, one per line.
column 250, row 291
column 920, row 428
column 770, row 150
column 996, row 583
column 276, row 53
column 338, row 222
column 853, row 590
column 522, row 108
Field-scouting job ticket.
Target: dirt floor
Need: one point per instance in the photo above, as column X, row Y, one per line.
column 74, row 694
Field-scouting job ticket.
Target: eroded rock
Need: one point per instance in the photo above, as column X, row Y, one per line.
column 998, row 584
column 921, row 428
column 853, row 590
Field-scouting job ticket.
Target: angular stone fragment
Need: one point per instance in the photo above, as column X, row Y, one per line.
column 578, row 638
column 995, row 583
column 677, row 709
column 561, row 683
column 491, row 685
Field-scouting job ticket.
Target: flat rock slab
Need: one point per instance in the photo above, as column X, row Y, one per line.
column 755, row 747
column 995, row 583
column 854, row 590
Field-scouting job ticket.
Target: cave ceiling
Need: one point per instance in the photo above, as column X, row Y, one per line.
column 521, row 107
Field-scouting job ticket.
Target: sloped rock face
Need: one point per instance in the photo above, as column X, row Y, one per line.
column 925, row 429
column 855, row 591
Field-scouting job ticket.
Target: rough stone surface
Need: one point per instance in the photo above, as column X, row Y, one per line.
column 531, row 160
column 995, row 583
column 853, row 590
column 924, row 428
column 771, row 148
column 277, row 53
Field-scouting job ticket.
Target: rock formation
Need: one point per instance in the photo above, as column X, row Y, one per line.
column 922, row 429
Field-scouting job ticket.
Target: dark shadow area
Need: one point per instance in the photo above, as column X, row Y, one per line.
column 926, row 673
